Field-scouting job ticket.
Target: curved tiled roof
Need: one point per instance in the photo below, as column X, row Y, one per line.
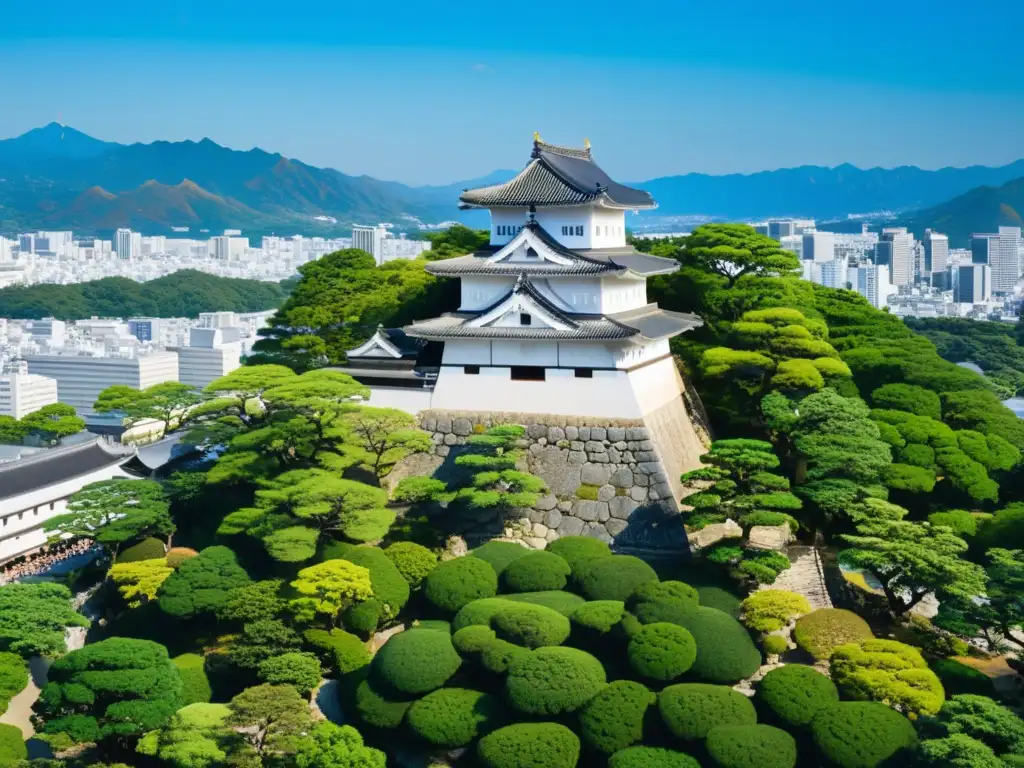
column 55, row 466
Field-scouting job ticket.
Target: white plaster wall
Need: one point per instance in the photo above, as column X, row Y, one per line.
column 466, row 352
column 608, row 228
column 655, row 385
column 582, row 295
column 619, row 294
column 480, row 291
column 635, row 354
column 543, row 353
column 583, row 355
column 409, row 400
column 507, row 217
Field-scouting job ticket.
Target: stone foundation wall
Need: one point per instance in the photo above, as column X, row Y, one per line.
column 606, row 478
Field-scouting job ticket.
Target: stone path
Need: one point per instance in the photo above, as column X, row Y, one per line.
column 805, row 577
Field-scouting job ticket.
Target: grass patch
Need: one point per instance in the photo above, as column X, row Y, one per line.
column 587, row 492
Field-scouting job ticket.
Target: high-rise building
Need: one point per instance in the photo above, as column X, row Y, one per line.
column 26, row 243
column 819, row 246
column 1002, row 252
column 780, row 228
column 370, row 239
column 211, row 353
column 898, row 255
column 872, row 282
column 834, row 272
column 145, row 328
column 5, row 250
column 127, row 244
column 936, row 252
column 23, row 393
column 972, row 283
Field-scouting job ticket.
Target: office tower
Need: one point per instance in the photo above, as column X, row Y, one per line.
column 898, row 255
column 819, row 246
column 127, row 244
column 145, row 328
column 972, row 283
column 23, row 393
column 5, row 250
column 211, row 353
column 371, row 240
column 936, row 252
column 1001, row 251
column 833, row 273
column 780, row 228
column 26, row 244
column 872, row 282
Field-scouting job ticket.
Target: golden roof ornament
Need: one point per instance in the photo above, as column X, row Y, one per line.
column 586, row 143
column 536, row 136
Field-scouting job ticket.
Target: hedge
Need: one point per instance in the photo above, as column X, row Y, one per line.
column 822, row 631
column 651, row 757
column 614, row 718
column 529, row 745
column 379, row 707
column 531, row 626
column 577, row 551
column 473, row 639
column 479, row 612
column 499, row 655
column 656, row 602
column 453, row 717
column 147, row 549
column 722, row 599
column 535, row 572
column 413, row 561
column 389, row 586
column 438, row 625
column 500, row 554
column 340, row 649
column 795, row 693
column 456, row 583
column 725, row 652
column 959, row 678
column 745, row 746
column 599, row 616
column 768, row 610
column 299, row 669
column 416, row 661
column 691, row 710
column 554, row 680
column 861, row 734
column 888, row 671
column 364, row 617
column 12, row 746
column 661, row 651
column 196, row 686
column 565, row 603
column 615, row 577
column 983, row 719
column 14, row 675
column 774, row 644
column 960, row 751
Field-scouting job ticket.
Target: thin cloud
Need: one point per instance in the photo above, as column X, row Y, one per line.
column 481, row 68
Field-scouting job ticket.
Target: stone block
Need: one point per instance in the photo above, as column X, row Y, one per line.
column 647, row 445
column 603, row 513
column 442, row 450
column 770, row 537
column 622, row 478
column 536, row 449
column 598, row 433
column 636, row 433
column 615, row 527
column 564, row 506
column 577, row 457
column 572, row 433
column 462, row 427
column 535, row 542
column 597, row 531
column 664, row 490
column 616, row 433
column 640, row 479
column 584, row 433
column 444, row 424
column 606, row 493
column 712, row 534
column 588, row 511
column 571, row 526
column 539, row 530
column 544, row 503
column 536, row 516
column 621, row 507
column 650, row 467
column 555, row 434
column 595, row 474
column 620, row 445
column 552, row 535
column 599, row 458
column 652, row 494
column 614, row 456
column 552, row 518
column 437, row 438
column 637, row 493
column 595, row 446
column 429, row 424
column 627, row 457
column 535, row 431
column 450, row 439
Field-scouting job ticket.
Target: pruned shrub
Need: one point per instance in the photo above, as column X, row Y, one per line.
column 651, row 757
column 147, row 549
column 774, row 644
column 822, row 631
column 453, row 717
column 725, row 652
column 12, row 746
column 378, row 706
column 479, row 612
column 178, row 555
column 552, row 681
column 339, row 649
column 499, row 655
column 861, row 734
column 742, row 746
column 614, row 718
column 599, row 616
column 655, row 602
column 500, row 554
column 961, row 751
column 390, row 588
column 416, row 661
column 980, row 718
column 298, row 669
column 795, row 693
column 958, row 678
column 577, row 551
column 196, row 685
column 691, row 710
column 615, row 577
column 887, row 671
column 364, row 617
column 768, row 610
column 531, row 626
column 413, row 561
column 661, row 651
column 963, row 523
column 535, row 572
column 471, row 640
column 456, row 583
column 563, row 602
column 529, row 745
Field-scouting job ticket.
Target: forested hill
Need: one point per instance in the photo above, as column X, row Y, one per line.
column 997, row 348
column 181, row 294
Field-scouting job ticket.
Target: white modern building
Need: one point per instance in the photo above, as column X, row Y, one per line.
column 1002, row 252
column 211, row 353
column 554, row 315
column 818, row 246
column 80, row 378
column 127, row 244
column 895, row 250
column 380, row 243
column 872, row 282
column 22, row 394
column 936, row 252
column 833, row 274
column 972, row 283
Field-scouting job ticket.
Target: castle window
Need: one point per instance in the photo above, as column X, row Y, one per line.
column 579, row 231
column 471, row 370
column 524, row 318
column 597, row 231
column 527, row 373
column 584, row 373
column 531, row 253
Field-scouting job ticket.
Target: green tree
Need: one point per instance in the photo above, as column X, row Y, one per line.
column 297, row 669
column 169, row 402
column 139, row 581
column 253, row 601
column 273, row 717
column 202, row 584
column 33, row 618
column 381, row 437
column 53, row 422
column 196, row 737
column 261, row 640
column 910, row 559
column 999, row 617
column 113, row 512
column 336, row 746
column 494, row 482
column 329, row 587
column 735, row 251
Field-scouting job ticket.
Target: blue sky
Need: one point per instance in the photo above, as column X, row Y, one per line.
column 433, row 92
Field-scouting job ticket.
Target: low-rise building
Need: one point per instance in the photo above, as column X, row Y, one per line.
column 22, row 394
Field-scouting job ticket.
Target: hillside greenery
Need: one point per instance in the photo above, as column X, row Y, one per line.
column 996, row 348
column 185, row 293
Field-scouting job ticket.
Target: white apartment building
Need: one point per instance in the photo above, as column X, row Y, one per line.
column 80, row 378
column 972, row 283
column 211, row 353
column 872, row 282
column 895, row 250
column 22, row 394
column 383, row 246
column 818, row 246
column 1002, row 252
column 127, row 244
column 833, row 273
column 936, row 252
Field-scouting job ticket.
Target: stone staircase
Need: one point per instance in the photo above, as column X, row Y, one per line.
column 806, row 576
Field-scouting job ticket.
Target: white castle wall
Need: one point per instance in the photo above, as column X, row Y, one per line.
column 601, row 227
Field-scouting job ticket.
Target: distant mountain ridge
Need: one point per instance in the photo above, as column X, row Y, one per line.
column 56, row 176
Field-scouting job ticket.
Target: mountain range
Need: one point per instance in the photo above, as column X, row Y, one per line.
column 56, row 176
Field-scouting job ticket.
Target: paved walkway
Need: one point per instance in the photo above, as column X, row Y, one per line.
column 806, row 576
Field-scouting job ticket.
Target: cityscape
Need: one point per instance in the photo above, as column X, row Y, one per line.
column 640, row 389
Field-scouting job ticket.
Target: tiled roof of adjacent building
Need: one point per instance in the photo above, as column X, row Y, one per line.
column 55, row 466
column 557, row 176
